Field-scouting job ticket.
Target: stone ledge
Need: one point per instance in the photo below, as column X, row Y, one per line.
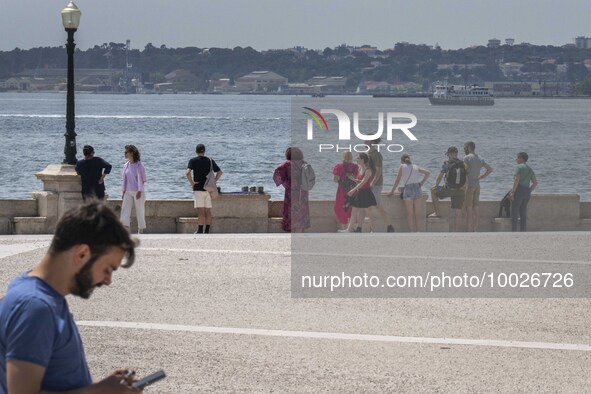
column 60, row 178
column 187, row 220
column 501, row 224
column 585, row 225
column 187, row 225
column 437, row 225
column 275, row 225
column 30, row 225
column 18, row 207
column 242, row 213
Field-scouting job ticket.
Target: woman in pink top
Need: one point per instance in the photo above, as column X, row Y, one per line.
column 134, row 177
column 344, row 174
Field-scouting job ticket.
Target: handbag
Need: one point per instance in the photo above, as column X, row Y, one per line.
column 210, row 182
column 402, row 188
column 346, row 181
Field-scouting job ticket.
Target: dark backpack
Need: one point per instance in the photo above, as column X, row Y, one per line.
column 505, row 205
column 455, row 178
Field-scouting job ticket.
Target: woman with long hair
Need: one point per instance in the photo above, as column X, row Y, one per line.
column 412, row 177
column 134, row 177
column 345, row 174
column 296, row 211
column 363, row 197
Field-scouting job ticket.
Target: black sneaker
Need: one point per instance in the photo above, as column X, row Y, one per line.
column 390, row 229
column 357, row 230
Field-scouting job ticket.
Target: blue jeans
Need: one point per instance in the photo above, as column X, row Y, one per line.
column 519, row 207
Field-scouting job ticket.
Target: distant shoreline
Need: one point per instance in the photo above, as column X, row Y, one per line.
column 402, row 95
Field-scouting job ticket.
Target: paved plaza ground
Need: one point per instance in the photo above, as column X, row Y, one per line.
column 216, row 313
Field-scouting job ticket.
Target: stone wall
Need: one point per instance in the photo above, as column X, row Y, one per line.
column 585, row 216
column 9, row 209
column 256, row 213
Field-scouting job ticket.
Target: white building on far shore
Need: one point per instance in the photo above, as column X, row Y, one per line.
column 260, row 81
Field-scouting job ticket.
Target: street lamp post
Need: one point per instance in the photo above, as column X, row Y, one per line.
column 71, row 21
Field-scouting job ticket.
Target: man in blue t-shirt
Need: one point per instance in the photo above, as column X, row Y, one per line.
column 40, row 346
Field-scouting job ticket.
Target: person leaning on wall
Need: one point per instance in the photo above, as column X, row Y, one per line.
column 92, row 170
column 524, row 182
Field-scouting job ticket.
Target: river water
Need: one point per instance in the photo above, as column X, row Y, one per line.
column 247, row 136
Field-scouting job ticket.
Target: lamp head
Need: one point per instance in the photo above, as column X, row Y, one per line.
column 71, row 16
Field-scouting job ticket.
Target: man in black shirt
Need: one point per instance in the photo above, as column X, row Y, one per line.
column 92, row 170
column 201, row 166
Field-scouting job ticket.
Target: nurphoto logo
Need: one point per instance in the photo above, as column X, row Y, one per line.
column 344, row 129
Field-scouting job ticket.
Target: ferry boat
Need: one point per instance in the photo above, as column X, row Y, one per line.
column 461, row 95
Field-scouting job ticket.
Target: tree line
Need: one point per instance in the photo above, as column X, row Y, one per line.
column 404, row 63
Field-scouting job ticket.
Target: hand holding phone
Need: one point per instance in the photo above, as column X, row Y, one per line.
column 128, row 378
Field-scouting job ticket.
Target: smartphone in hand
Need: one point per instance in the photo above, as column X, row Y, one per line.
column 148, row 380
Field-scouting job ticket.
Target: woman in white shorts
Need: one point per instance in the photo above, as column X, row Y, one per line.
column 412, row 177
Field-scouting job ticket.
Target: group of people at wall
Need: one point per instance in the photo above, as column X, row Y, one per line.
column 365, row 179
column 360, row 184
column 90, row 243
column 93, row 170
column 461, row 183
column 359, row 190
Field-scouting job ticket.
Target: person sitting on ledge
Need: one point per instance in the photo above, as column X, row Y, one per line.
column 454, row 172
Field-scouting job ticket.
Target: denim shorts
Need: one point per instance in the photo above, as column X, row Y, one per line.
column 412, row 191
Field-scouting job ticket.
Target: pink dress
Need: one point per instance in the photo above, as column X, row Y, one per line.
column 296, row 211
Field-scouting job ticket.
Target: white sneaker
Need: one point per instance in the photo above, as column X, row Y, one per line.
column 140, row 231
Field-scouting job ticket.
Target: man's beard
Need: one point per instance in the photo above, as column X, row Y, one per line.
column 82, row 285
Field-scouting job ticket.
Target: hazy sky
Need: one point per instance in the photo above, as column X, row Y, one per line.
column 315, row 24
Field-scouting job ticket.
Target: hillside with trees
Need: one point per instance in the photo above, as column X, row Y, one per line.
column 419, row 64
